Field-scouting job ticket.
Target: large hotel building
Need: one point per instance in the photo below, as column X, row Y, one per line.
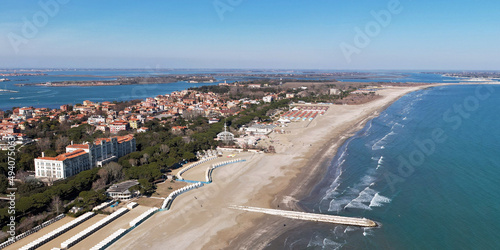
column 81, row 157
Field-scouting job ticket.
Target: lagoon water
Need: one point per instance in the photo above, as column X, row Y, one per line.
column 440, row 192
column 53, row 97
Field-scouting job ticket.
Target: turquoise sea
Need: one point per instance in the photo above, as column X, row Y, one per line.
column 427, row 169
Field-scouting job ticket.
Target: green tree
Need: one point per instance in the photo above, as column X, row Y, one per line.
column 147, row 187
column 92, row 198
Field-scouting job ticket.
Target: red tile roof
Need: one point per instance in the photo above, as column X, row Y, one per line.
column 65, row 156
column 80, row 146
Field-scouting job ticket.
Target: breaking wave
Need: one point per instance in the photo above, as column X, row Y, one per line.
column 379, row 200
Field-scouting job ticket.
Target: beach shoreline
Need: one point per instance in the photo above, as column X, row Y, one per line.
column 201, row 219
column 255, row 236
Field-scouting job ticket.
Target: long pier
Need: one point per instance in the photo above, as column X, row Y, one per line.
column 361, row 222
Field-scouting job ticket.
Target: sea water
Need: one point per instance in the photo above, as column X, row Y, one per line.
column 427, row 170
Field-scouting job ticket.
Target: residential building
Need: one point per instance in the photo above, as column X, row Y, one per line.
column 83, row 109
column 96, row 119
column 268, row 98
column 103, row 127
column 255, row 86
column 8, row 128
column 87, row 103
column 142, row 130
column 63, row 118
column 213, row 120
column 118, row 126
column 134, row 123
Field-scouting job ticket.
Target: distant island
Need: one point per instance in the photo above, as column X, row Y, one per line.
column 470, row 74
column 127, row 81
column 23, row 74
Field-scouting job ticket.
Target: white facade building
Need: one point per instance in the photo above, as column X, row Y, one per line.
column 96, row 120
column 268, row 98
column 81, row 157
column 62, row 166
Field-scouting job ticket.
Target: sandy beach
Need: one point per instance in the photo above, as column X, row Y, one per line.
column 201, row 219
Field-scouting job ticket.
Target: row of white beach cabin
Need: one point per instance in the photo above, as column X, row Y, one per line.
column 109, row 240
column 192, row 166
column 102, row 205
column 177, row 192
column 120, row 232
column 220, row 164
column 142, row 217
column 31, row 231
column 55, row 233
column 131, row 205
column 92, row 229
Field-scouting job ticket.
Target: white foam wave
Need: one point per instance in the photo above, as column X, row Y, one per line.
column 380, row 144
column 364, row 196
column 379, row 200
column 337, row 205
column 8, row 90
column 367, row 130
column 332, row 191
column 380, row 161
column 354, row 197
column 350, row 229
column 396, row 125
column 357, row 205
column 324, row 243
column 330, row 244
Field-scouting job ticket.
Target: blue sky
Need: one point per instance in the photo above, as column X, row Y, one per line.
column 460, row 34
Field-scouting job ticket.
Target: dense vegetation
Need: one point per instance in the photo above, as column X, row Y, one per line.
column 42, row 202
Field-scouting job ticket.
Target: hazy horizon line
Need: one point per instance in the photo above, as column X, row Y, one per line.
column 201, row 68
